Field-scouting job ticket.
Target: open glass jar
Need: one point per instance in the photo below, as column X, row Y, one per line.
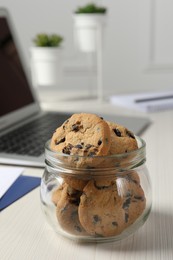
column 96, row 199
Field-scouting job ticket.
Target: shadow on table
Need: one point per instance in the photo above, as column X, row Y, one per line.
column 155, row 235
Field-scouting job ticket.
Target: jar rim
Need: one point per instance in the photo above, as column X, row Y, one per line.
column 141, row 148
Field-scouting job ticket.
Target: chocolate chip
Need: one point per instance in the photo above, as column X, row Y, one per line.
column 74, row 214
column 92, row 153
column 67, row 149
column 78, row 228
column 130, row 134
column 139, row 198
column 74, row 201
column 87, row 146
column 79, row 146
column 114, row 223
column 96, row 219
column 99, row 142
column 65, row 123
column 126, row 217
column 107, row 140
column 128, row 194
column 126, row 204
column 60, row 141
column 117, row 132
column 75, row 128
column 101, row 117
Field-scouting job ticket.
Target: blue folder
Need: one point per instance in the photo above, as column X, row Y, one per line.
column 20, row 187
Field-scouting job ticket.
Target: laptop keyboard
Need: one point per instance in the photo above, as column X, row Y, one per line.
column 30, row 138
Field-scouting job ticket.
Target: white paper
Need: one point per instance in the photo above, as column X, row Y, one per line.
column 148, row 102
column 8, row 175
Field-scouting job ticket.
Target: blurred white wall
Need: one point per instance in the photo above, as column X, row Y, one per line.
column 138, row 51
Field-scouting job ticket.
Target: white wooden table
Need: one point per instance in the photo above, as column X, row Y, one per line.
column 24, row 233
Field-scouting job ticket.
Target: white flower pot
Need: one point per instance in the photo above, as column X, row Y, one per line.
column 46, row 66
column 86, row 27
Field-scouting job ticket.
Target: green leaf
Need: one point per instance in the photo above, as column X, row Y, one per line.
column 91, row 8
column 45, row 40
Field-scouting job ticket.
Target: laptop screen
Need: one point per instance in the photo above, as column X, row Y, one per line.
column 15, row 91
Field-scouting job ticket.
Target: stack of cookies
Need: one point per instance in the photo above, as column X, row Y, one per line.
column 94, row 202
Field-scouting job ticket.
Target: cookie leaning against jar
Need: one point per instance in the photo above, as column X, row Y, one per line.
column 122, row 139
column 132, row 194
column 67, row 200
column 123, row 142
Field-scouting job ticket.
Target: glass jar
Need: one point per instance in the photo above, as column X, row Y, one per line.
column 96, row 198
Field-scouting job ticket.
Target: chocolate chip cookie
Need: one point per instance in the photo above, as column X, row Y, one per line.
column 122, row 139
column 82, row 134
column 133, row 197
column 108, row 208
column 100, row 209
column 67, row 211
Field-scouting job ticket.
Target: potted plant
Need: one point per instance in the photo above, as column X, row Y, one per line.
column 46, row 60
column 87, row 21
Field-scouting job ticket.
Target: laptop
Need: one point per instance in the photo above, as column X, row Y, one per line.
column 24, row 127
